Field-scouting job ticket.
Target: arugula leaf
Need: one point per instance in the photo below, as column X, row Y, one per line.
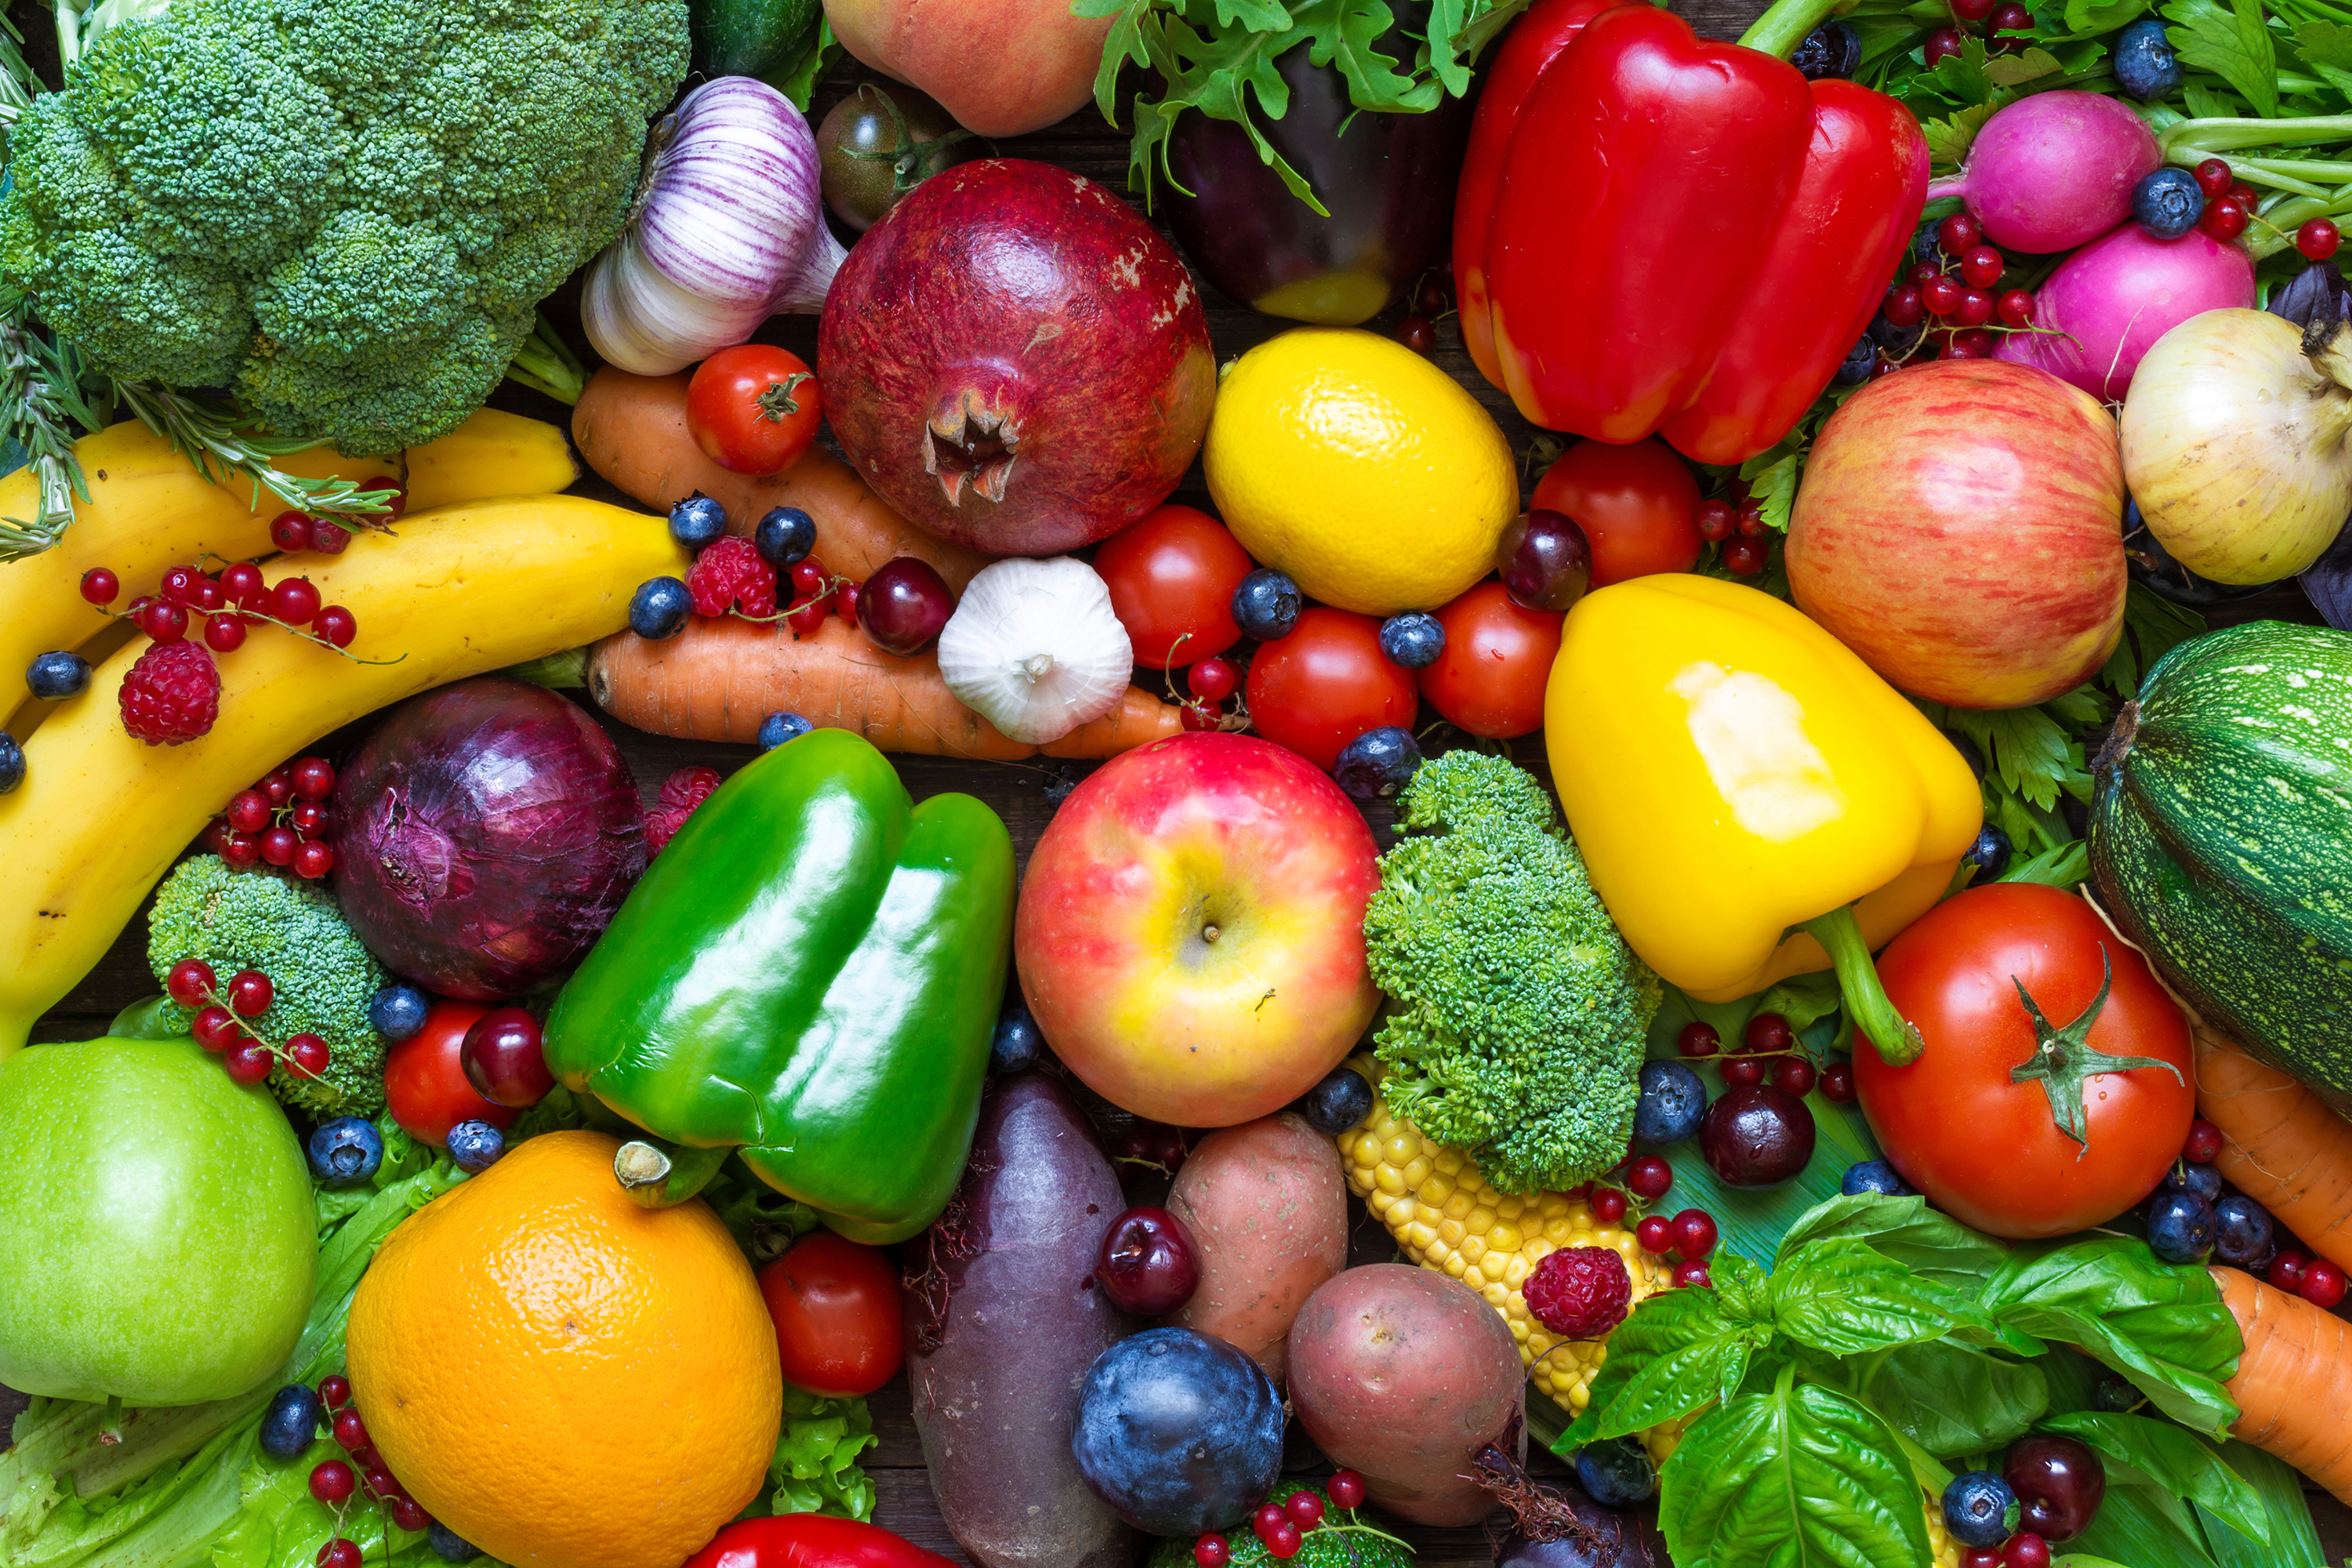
column 1931, row 1245
column 1953, row 1399
column 1799, row 1473
column 2176, row 1459
column 1948, row 139
column 1678, row 1351
column 1841, row 1295
column 2234, row 44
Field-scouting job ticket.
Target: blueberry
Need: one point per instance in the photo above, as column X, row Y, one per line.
column 1617, row 1473
column 1977, row 1509
column 2242, row 1232
column 1062, row 778
column 660, row 608
column 1413, row 639
column 2168, row 202
column 1673, row 1100
column 397, row 1012
column 1342, row 1100
column 1969, row 751
column 697, row 522
column 476, row 1146
column 1873, row 1176
column 2115, row 1393
column 347, row 1150
column 1378, row 762
column 785, row 537
column 1266, row 604
column 2180, row 1227
column 54, row 677
column 1924, row 245
column 2188, row 1177
column 2144, row 63
column 1898, row 341
column 1177, row 1432
column 1019, row 1043
column 1989, row 853
column 1833, row 48
column 12, row 764
column 448, row 1545
column 778, row 727
column 291, row 1425
column 1860, row 361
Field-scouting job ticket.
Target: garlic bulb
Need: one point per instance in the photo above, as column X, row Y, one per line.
column 1034, row 648
column 728, row 230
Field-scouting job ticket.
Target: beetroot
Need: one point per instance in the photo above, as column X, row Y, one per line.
column 484, row 834
column 1015, row 360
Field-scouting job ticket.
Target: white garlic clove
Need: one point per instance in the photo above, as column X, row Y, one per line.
column 1034, row 648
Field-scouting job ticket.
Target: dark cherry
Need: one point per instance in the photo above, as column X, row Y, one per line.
column 1545, row 559
column 2059, row 1483
column 904, row 604
column 502, row 1059
column 1148, row 1263
column 1757, row 1135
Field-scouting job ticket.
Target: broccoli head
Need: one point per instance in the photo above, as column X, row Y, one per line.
column 294, row 933
column 345, row 211
column 1521, row 1015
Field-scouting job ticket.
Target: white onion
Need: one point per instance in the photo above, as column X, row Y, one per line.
column 1036, row 648
column 728, row 230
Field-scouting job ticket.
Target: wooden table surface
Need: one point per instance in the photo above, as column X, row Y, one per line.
column 1081, row 142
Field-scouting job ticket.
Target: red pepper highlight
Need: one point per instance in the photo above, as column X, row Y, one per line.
column 810, row 1541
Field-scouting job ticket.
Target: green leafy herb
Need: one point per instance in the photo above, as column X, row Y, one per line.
column 1681, row 1353
column 210, row 433
column 2014, row 70
column 2064, row 867
column 1931, row 1244
column 1953, row 1398
column 43, row 411
column 815, row 1468
column 1843, row 1295
column 1949, row 138
column 1772, row 481
column 2234, row 44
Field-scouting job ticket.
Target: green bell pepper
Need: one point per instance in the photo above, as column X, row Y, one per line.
column 810, row 972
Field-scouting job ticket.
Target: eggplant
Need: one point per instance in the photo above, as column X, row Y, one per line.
column 1003, row 1318
column 1387, row 180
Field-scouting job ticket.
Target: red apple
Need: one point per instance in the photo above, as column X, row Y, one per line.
column 1190, row 930
column 1001, row 67
column 1960, row 527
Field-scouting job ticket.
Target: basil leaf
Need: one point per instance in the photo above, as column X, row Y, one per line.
column 2174, row 1458
column 2294, row 1540
column 1955, row 1399
column 1797, row 1474
column 2146, row 1524
column 1672, row 1355
column 1742, row 1290
column 2076, row 1560
column 1843, row 1297
column 1932, row 1246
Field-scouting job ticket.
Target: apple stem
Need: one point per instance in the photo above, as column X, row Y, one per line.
column 1896, row 1040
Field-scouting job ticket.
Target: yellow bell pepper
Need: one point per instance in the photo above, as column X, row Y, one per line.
column 1752, row 801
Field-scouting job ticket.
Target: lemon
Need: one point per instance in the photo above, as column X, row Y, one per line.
column 1362, row 469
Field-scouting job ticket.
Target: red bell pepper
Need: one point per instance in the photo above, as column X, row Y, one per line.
column 1656, row 234
column 810, row 1541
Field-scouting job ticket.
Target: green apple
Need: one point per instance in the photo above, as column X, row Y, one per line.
column 158, row 1238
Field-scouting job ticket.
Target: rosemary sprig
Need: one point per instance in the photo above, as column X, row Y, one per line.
column 44, row 410
column 206, row 431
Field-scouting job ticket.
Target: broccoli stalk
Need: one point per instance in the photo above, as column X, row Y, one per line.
column 1521, row 1015
column 546, row 363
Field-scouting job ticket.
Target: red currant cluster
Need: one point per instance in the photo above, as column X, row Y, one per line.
column 1769, row 1034
column 335, row 1482
column 282, row 820
column 1210, row 681
column 1418, row 329
column 295, row 530
column 1959, row 303
column 221, row 1027
column 1152, row 1146
column 2230, row 205
column 2007, row 26
column 1280, row 1527
column 1736, row 521
column 730, row 575
column 1692, row 1233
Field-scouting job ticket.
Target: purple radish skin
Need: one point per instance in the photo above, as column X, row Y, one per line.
column 2097, row 316
column 2053, row 171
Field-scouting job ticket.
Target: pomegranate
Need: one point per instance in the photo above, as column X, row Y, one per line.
column 1015, row 360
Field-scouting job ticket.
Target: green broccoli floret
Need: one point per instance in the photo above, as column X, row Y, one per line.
column 294, row 935
column 1521, row 1014
column 345, row 211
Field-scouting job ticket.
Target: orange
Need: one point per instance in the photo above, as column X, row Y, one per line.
column 563, row 1378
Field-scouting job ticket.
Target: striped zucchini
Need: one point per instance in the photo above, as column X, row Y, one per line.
column 2222, row 839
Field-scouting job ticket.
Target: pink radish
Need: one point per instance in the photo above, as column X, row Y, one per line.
column 2053, row 171
column 2114, row 298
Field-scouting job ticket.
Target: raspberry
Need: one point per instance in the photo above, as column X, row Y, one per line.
column 172, row 694
column 680, row 794
column 1579, row 1292
column 730, row 573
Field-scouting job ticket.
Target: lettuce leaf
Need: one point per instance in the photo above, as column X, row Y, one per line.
column 815, row 1470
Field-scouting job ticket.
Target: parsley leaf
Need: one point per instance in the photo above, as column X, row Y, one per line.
column 1948, row 139
column 2234, row 44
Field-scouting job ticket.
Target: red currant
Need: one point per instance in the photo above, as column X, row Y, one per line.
column 1417, row 334
column 1943, row 43
column 306, row 818
column 1429, row 298
column 805, row 620
column 844, row 601
column 409, row 1514
column 290, row 530
column 1920, row 273
column 277, row 786
column 1974, row 343
column 164, row 623
column 1744, row 557
column 1306, row 1510
column 308, row 1055
column 399, row 501
column 380, row 1481
column 1695, row 1232
column 2213, row 177
column 2322, row 1284
column 1974, row 310
column 339, row 1554
column 329, row 539
column 241, row 850
column 100, row 586
column 1959, row 234
column 240, row 579
column 2286, row 1269
column 1346, row 1489
column 1743, row 1072
column 313, row 860
column 1796, row 1075
column 331, row 1482
column 249, row 1061
column 350, row 1432
column 277, row 846
column 1270, row 1516
column 365, row 1459
column 294, row 601
column 1212, row 680
column 214, row 1029
column 209, row 597
column 1714, row 520
column 808, row 579
column 1211, row 1552
column 2317, row 239
column 1692, row 1271
column 1649, row 1177
column 338, row 625
column 1973, row 10
column 190, row 982
column 2025, row 1549
column 1941, row 294
column 1198, row 718
column 179, row 586
column 2203, row 1142
column 1698, row 1038
column 1608, row 1208
column 1282, row 1543
column 313, row 778
column 2224, row 218
column 2012, row 17
column 334, row 1391
column 2015, row 307
column 2244, row 194
column 1837, row 1083
column 1751, row 523
column 223, row 634
column 1982, row 267
column 1980, row 1557
column 1767, row 1032
column 1656, row 1233
column 1904, row 307
column 250, row 994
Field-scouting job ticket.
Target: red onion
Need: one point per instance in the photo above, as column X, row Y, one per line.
column 484, row 834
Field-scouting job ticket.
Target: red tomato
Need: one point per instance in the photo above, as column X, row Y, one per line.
column 1490, row 680
column 425, row 1083
column 838, row 1322
column 1327, row 683
column 1983, row 1149
column 1637, row 504
column 1171, row 576
column 754, row 409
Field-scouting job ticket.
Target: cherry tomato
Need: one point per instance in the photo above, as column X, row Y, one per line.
column 1171, row 576
column 1984, row 1148
column 754, row 409
column 1637, row 504
column 1490, row 678
column 425, row 1077
column 838, row 1322
column 1327, row 683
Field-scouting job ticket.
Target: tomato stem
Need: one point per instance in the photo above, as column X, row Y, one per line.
column 1874, row 1014
column 2064, row 1058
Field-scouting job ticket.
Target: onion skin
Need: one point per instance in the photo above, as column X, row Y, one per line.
column 2233, row 445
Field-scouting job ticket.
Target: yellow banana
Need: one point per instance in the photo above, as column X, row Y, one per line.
column 150, row 509
column 459, row 590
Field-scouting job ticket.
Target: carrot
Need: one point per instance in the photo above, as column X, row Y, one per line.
column 633, row 431
column 720, row 677
column 2281, row 1145
column 2294, row 1383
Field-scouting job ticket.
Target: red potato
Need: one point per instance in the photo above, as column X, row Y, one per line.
column 1401, row 1374
column 1266, row 1205
column 1001, row 1327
